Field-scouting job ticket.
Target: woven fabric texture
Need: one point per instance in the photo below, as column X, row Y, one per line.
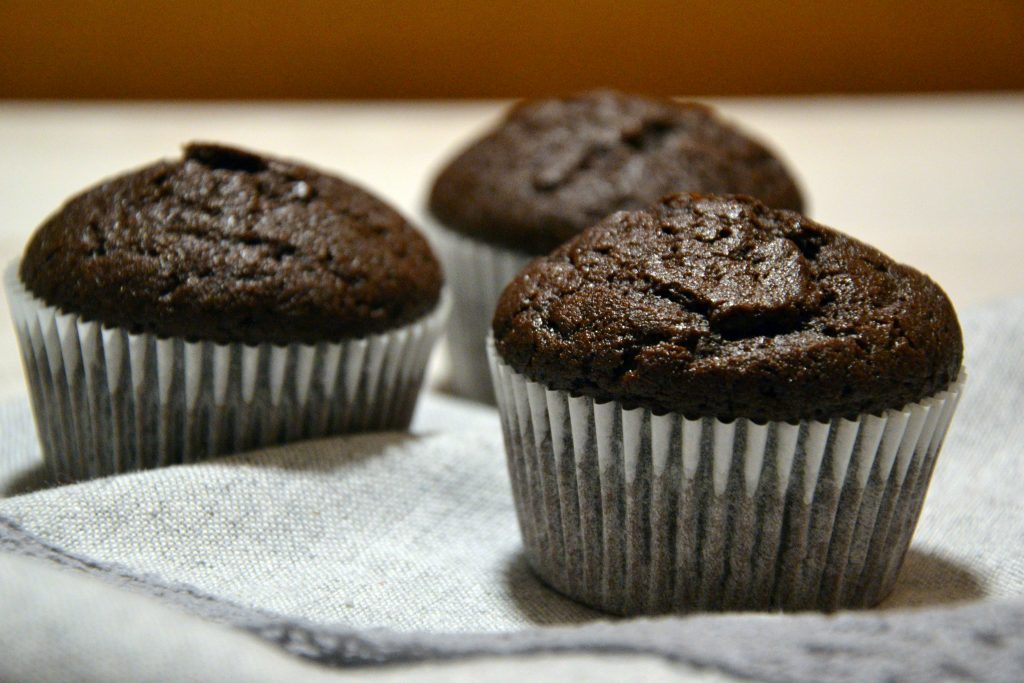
column 393, row 547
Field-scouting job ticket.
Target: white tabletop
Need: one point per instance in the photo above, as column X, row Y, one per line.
column 934, row 181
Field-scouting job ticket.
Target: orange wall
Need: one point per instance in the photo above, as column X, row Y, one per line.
column 447, row 48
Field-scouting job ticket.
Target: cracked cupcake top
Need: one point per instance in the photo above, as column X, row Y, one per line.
column 230, row 246
column 554, row 167
column 723, row 307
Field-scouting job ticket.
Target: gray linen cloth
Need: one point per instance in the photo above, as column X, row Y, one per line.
column 393, row 548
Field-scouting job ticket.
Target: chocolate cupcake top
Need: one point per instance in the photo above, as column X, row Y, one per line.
column 554, row 167
column 230, row 246
column 723, row 307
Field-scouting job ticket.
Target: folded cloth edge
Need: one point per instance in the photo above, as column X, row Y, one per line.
column 980, row 641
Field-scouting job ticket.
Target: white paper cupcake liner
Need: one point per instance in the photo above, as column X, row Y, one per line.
column 633, row 512
column 477, row 274
column 108, row 401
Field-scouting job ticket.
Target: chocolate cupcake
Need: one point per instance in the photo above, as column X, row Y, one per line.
column 554, row 167
column 711, row 404
column 217, row 303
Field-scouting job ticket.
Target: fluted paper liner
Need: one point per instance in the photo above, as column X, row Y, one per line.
column 108, row 401
column 633, row 512
column 478, row 273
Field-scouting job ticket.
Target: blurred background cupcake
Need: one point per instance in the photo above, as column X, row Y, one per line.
column 216, row 303
column 710, row 404
column 553, row 167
